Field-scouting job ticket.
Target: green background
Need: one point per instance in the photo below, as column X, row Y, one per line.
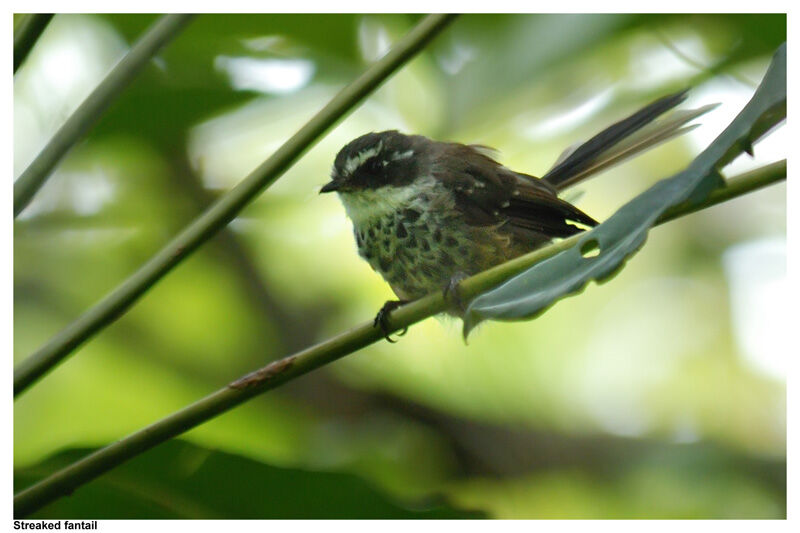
column 639, row 398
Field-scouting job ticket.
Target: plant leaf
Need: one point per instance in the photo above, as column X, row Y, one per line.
column 602, row 252
column 181, row 480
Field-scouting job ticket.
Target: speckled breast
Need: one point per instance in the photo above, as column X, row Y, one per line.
column 418, row 252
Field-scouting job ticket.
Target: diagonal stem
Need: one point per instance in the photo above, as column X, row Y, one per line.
column 293, row 366
column 91, row 109
column 27, row 33
column 225, row 209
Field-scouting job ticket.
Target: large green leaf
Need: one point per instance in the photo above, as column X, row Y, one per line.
column 180, row 480
column 603, row 251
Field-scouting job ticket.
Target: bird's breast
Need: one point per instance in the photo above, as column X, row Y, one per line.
column 416, row 238
column 417, row 251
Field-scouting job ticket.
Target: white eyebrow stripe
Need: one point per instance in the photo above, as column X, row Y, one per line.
column 353, row 163
column 402, row 155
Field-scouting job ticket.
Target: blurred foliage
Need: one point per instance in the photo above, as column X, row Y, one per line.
column 178, row 480
column 512, row 424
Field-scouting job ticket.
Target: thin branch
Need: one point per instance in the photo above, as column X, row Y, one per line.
column 28, row 31
column 291, row 326
column 113, row 305
column 293, row 366
column 91, row 109
column 736, row 186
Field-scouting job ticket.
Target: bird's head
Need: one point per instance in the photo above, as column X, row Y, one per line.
column 374, row 161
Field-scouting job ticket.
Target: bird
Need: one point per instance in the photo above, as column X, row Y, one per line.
column 427, row 214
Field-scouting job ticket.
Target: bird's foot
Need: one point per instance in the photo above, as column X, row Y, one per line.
column 382, row 318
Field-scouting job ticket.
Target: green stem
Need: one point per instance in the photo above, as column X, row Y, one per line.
column 293, row 366
column 28, row 31
column 225, row 209
column 741, row 184
column 91, row 109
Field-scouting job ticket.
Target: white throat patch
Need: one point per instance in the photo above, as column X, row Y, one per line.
column 370, row 204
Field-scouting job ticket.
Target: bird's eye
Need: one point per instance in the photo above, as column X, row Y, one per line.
column 373, row 164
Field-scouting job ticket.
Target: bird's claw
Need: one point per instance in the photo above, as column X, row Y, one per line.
column 382, row 319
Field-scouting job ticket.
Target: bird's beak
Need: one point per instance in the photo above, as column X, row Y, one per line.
column 330, row 187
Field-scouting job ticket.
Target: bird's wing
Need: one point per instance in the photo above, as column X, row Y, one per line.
column 488, row 194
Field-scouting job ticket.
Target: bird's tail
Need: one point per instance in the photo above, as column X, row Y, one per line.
column 627, row 138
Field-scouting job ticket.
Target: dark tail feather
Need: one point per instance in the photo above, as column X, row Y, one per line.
column 562, row 174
